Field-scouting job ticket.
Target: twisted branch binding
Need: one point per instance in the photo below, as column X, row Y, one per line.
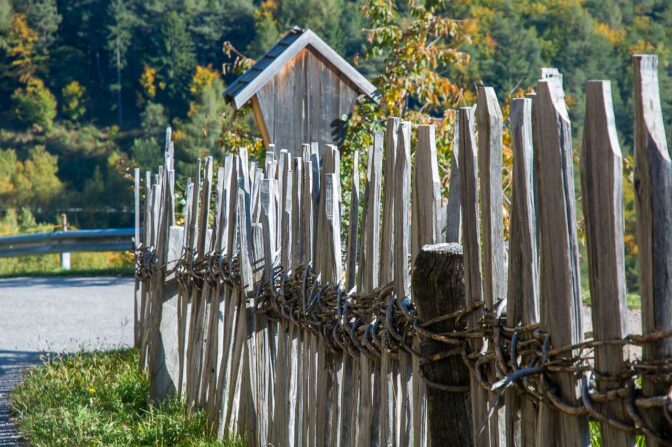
column 379, row 321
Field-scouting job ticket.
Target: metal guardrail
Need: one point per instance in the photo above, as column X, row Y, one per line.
column 117, row 239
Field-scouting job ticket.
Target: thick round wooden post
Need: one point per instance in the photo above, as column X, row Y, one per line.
column 438, row 289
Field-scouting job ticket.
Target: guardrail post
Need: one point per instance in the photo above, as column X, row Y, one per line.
column 65, row 257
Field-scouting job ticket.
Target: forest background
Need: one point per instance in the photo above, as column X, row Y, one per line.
column 87, row 87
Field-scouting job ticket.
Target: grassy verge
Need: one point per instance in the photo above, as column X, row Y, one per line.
column 101, row 399
column 112, row 271
column 82, row 263
column 632, row 300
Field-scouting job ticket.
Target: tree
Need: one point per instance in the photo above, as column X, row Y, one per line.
column 201, row 132
column 34, row 104
column 154, row 120
column 146, row 152
column 74, row 101
column 22, row 42
column 174, row 60
column 120, row 34
column 44, row 18
column 36, row 182
column 412, row 50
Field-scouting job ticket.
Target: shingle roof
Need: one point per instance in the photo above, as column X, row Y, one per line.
column 247, row 85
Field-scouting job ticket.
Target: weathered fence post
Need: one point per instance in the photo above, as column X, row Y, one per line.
column 523, row 282
column 560, row 292
column 136, row 245
column 601, row 166
column 653, row 187
column 490, row 129
column 473, row 283
column 453, row 208
column 438, row 289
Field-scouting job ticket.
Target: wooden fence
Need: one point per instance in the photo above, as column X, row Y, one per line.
column 280, row 330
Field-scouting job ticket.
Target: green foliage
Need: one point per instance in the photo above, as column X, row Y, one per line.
column 101, row 399
column 30, row 182
column 74, row 101
column 34, row 104
column 147, row 153
column 174, row 58
column 201, row 132
column 153, row 120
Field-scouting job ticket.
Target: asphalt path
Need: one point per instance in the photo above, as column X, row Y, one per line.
column 59, row 315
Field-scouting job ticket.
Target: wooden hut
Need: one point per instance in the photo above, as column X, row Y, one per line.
column 301, row 91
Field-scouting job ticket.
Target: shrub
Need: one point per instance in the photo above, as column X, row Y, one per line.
column 34, row 104
column 74, row 101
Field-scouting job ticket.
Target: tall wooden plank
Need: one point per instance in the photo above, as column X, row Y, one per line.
column 426, row 191
column 367, row 430
column 653, row 187
column 560, row 292
column 191, row 243
column 523, row 279
column 386, row 257
column 473, row 287
column 211, row 323
column 602, row 181
column 453, row 209
column 297, row 216
column 183, row 292
column 402, row 240
column 198, row 298
column 369, row 266
column 388, row 393
column 221, row 403
column 353, row 228
column 268, row 214
column 490, row 128
column 137, row 243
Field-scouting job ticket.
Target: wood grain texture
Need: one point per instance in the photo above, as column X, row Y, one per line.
column 426, row 191
column 454, row 209
column 490, row 129
column 401, row 250
column 353, row 227
column 438, row 289
column 137, row 243
column 314, row 91
column 523, row 280
column 386, row 255
column 369, row 265
column 473, row 286
column 602, row 181
column 560, row 292
column 653, row 188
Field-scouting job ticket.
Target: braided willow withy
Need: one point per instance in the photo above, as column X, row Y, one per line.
column 371, row 323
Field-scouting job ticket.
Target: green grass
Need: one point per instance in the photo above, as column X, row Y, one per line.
column 101, row 399
column 596, row 436
column 82, row 263
column 111, row 271
column 632, row 300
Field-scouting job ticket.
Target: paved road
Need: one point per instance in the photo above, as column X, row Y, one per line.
column 57, row 315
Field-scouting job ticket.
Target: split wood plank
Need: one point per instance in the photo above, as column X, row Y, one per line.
column 653, row 187
column 473, row 286
column 560, row 292
column 602, row 181
column 490, row 128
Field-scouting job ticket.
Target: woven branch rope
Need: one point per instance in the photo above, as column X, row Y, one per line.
column 370, row 323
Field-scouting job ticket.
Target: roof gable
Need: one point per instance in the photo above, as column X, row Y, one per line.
column 249, row 83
